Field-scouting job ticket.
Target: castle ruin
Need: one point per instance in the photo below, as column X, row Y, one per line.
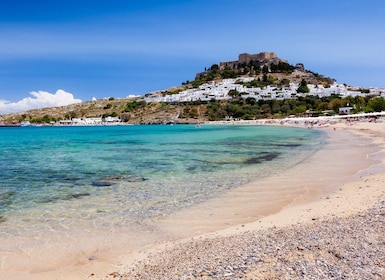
column 264, row 58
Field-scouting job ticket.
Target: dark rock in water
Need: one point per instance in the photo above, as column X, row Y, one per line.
column 134, row 179
column 65, row 197
column 2, row 219
column 6, row 198
column 267, row 157
column 109, row 181
column 6, row 195
column 101, row 183
column 114, row 178
column 191, row 168
column 253, row 160
column 77, row 195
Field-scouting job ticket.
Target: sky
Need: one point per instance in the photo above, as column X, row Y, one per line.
column 60, row 52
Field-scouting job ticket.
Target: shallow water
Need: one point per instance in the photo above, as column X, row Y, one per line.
column 60, row 177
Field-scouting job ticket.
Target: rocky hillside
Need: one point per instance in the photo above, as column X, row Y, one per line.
column 262, row 66
column 130, row 110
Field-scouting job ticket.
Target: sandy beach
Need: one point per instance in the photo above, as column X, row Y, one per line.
column 332, row 233
column 320, row 219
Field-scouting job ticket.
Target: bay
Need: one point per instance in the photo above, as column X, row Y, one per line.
column 118, row 175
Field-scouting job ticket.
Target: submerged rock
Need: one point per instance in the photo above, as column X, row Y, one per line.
column 111, row 180
column 76, row 195
column 101, row 183
column 6, row 198
column 6, row 195
column 266, row 157
column 65, row 197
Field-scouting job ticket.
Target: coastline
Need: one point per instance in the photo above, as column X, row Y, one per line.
column 353, row 206
column 301, row 206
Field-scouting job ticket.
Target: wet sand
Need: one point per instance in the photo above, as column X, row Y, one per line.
column 326, row 185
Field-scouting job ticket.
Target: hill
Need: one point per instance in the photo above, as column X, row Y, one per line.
column 130, row 110
column 262, row 69
column 259, row 65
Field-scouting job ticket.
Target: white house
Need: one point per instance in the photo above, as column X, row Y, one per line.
column 345, row 110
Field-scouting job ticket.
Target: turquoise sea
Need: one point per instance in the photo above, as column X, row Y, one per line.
column 117, row 175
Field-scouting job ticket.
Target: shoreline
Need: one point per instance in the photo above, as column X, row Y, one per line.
column 361, row 197
column 212, row 222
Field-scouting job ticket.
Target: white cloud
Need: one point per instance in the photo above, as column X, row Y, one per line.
column 39, row 99
column 132, row 95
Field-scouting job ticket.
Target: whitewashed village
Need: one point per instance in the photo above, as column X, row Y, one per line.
column 220, row 90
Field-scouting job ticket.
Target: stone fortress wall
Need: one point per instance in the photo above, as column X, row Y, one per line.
column 263, row 57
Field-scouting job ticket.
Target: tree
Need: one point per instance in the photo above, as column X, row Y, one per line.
column 359, row 103
column 323, row 106
column 303, row 87
column 274, row 68
column 377, row 104
column 214, row 68
column 196, row 83
column 335, row 104
column 265, row 108
column 233, row 93
column 228, row 73
column 265, row 69
column 194, row 113
column 275, row 108
column 299, row 110
column 285, row 108
column 131, row 106
column 251, row 100
column 284, row 82
column 47, row 119
column 264, row 78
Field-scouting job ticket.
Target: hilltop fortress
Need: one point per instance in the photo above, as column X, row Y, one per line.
column 252, row 64
column 263, row 58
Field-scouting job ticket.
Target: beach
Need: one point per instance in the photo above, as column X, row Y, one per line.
column 333, row 235
column 320, row 219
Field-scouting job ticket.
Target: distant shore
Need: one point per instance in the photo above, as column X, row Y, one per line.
column 293, row 121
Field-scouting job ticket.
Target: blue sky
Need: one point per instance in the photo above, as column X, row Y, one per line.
column 98, row 48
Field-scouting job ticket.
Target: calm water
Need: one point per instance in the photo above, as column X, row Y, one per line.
column 121, row 174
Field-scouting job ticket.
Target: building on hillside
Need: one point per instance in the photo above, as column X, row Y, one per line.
column 111, row 120
column 345, row 110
